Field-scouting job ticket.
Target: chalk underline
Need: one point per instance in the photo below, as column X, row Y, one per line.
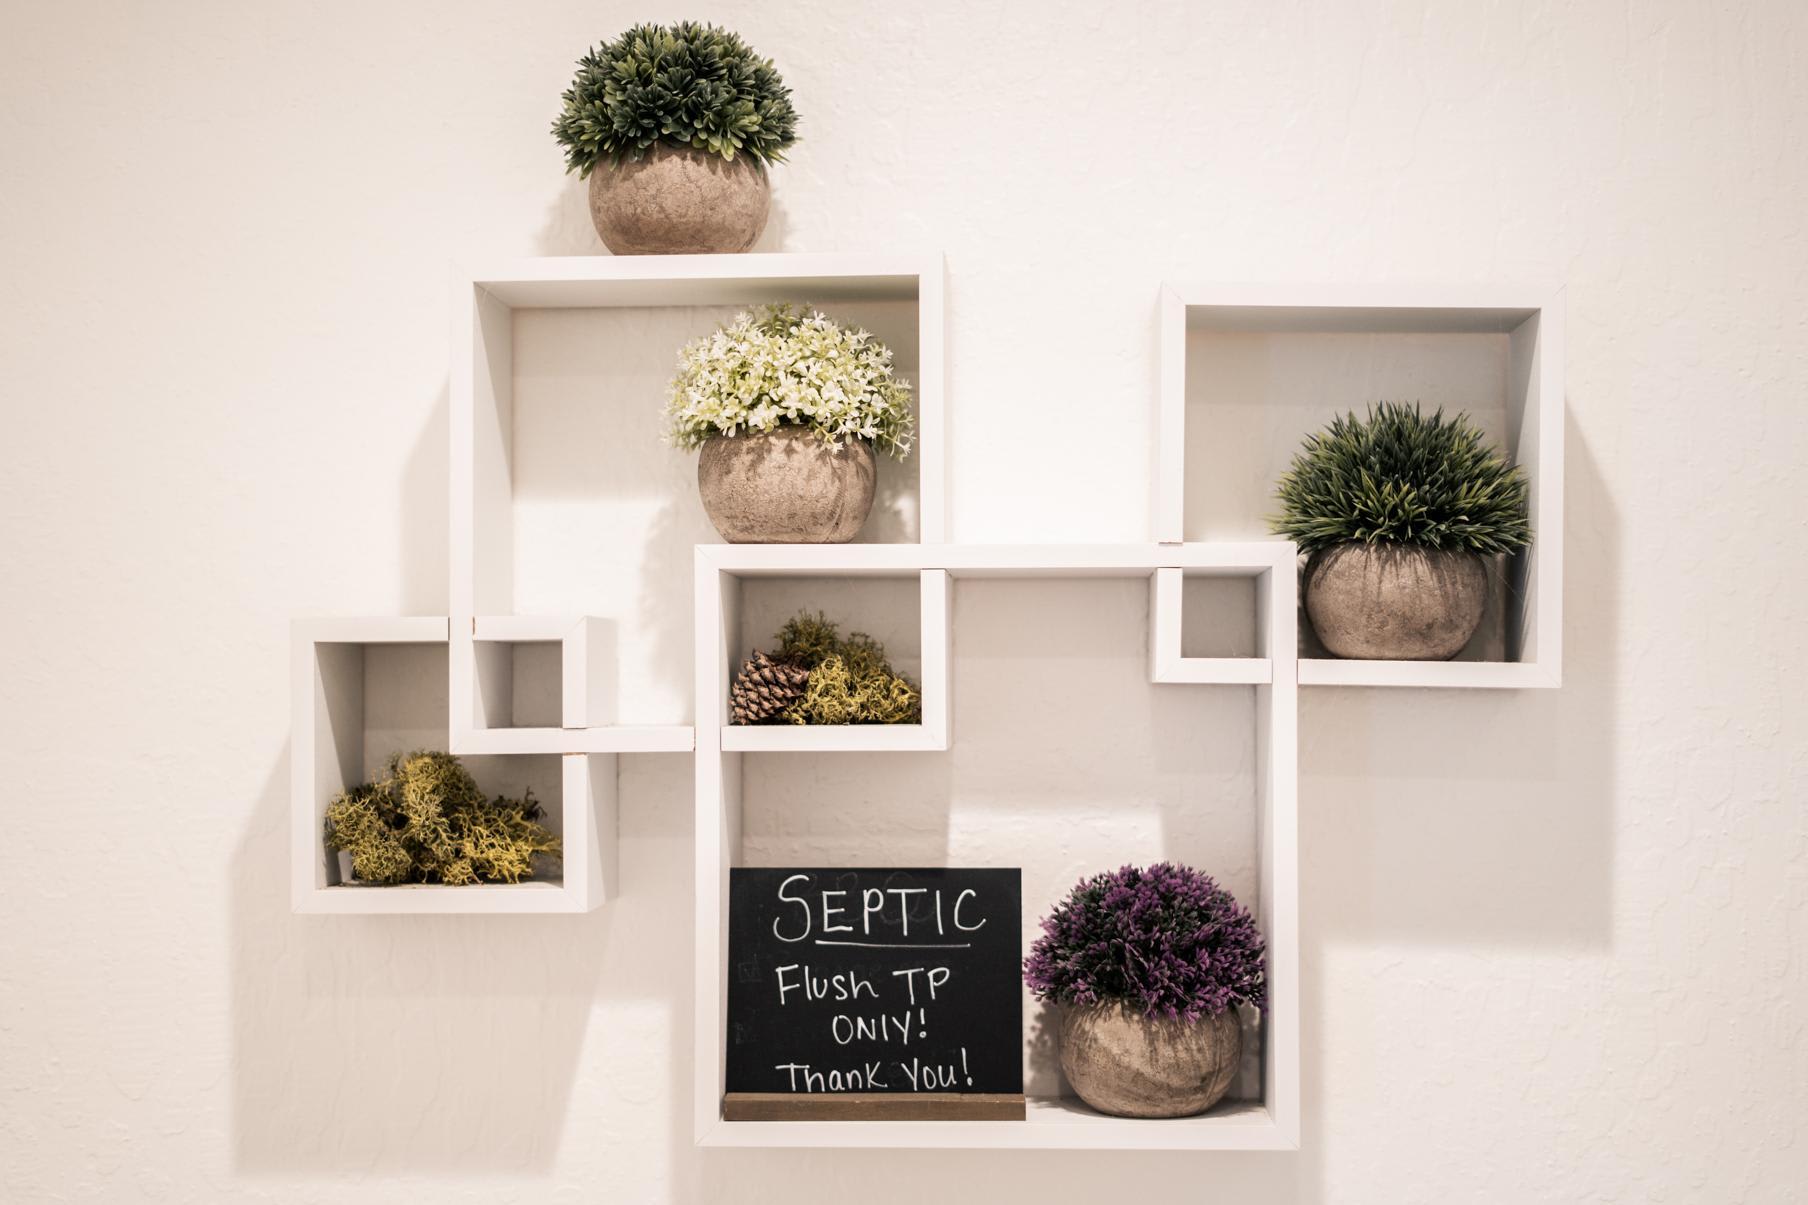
column 895, row 945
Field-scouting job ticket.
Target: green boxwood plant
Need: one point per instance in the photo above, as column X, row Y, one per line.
column 688, row 85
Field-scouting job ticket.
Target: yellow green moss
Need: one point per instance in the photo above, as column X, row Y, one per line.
column 426, row 821
column 851, row 681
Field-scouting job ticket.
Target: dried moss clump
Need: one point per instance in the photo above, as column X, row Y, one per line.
column 851, row 681
column 425, row 821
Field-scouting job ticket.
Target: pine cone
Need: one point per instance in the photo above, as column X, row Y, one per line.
column 764, row 688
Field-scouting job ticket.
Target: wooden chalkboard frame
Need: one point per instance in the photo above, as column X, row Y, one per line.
column 874, row 1106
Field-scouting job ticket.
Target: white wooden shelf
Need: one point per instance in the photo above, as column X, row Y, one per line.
column 364, row 689
column 1248, row 370
column 727, row 632
column 484, row 344
column 832, row 738
column 1247, row 558
column 1167, row 662
column 638, row 281
column 1052, row 1123
column 500, row 703
column 563, row 500
column 722, row 573
column 582, row 566
column 1444, row 675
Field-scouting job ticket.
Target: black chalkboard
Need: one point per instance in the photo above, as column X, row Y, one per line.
column 874, row 982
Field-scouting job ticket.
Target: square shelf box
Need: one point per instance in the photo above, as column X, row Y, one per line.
column 566, row 499
column 743, row 601
column 1225, row 623
column 365, row 689
column 1248, row 371
column 534, row 684
column 796, row 802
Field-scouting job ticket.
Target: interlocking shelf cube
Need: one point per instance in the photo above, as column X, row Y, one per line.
column 729, row 573
column 536, row 685
column 724, row 572
column 520, row 511
column 365, row 689
column 1248, row 370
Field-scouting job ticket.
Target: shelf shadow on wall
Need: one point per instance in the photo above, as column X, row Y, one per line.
column 398, row 1044
column 1465, row 817
column 413, row 1045
column 605, row 514
column 425, row 536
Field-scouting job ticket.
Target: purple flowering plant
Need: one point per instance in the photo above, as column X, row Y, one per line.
column 1168, row 941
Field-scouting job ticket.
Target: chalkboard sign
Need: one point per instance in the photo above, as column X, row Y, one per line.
column 874, row 994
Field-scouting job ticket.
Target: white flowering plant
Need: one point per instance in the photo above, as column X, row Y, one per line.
column 777, row 366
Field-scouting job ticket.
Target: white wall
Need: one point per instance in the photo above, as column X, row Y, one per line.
column 1554, row 942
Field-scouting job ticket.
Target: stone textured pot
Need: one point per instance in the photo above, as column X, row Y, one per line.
column 1123, row 1063
column 787, row 486
column 1395, row 602
column 677, row 201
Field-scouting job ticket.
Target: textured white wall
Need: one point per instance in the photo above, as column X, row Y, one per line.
column 1554, row 942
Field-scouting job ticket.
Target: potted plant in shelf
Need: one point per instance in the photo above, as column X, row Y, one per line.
column 1397, row 511
column 675, row 126
column 425, row 821
column 1148, row 967
column 786, row 407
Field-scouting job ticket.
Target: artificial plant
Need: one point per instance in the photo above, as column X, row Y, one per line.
column 687, row 85
column 1165, row 940
column 1401, row 476
column 425, row 821
column 778, row 365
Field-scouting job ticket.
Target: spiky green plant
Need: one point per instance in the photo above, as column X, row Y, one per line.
column 1400, row 476
column 425, row 821
column 851, row 680
column 688, row 85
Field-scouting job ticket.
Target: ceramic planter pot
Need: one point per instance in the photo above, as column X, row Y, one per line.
column 786, row 486
column 677, row 201
column 1395, row 602
column 1123, row 1063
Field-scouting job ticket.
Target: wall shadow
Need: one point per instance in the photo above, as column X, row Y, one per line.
column 1476, row 816
column 405, row 1046
column 567, row 229
column 426, row 535
column 397, row 1044
column 1452, row 822
column 664, row 619
column 778, row 227
column 648, row 973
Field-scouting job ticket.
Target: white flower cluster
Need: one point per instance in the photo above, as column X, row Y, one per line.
column 774, row 366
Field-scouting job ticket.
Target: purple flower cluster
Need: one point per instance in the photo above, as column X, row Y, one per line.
column 1167, row 941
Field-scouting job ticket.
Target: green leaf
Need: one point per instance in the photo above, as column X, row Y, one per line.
column 687, row 84
column 1401, row 476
